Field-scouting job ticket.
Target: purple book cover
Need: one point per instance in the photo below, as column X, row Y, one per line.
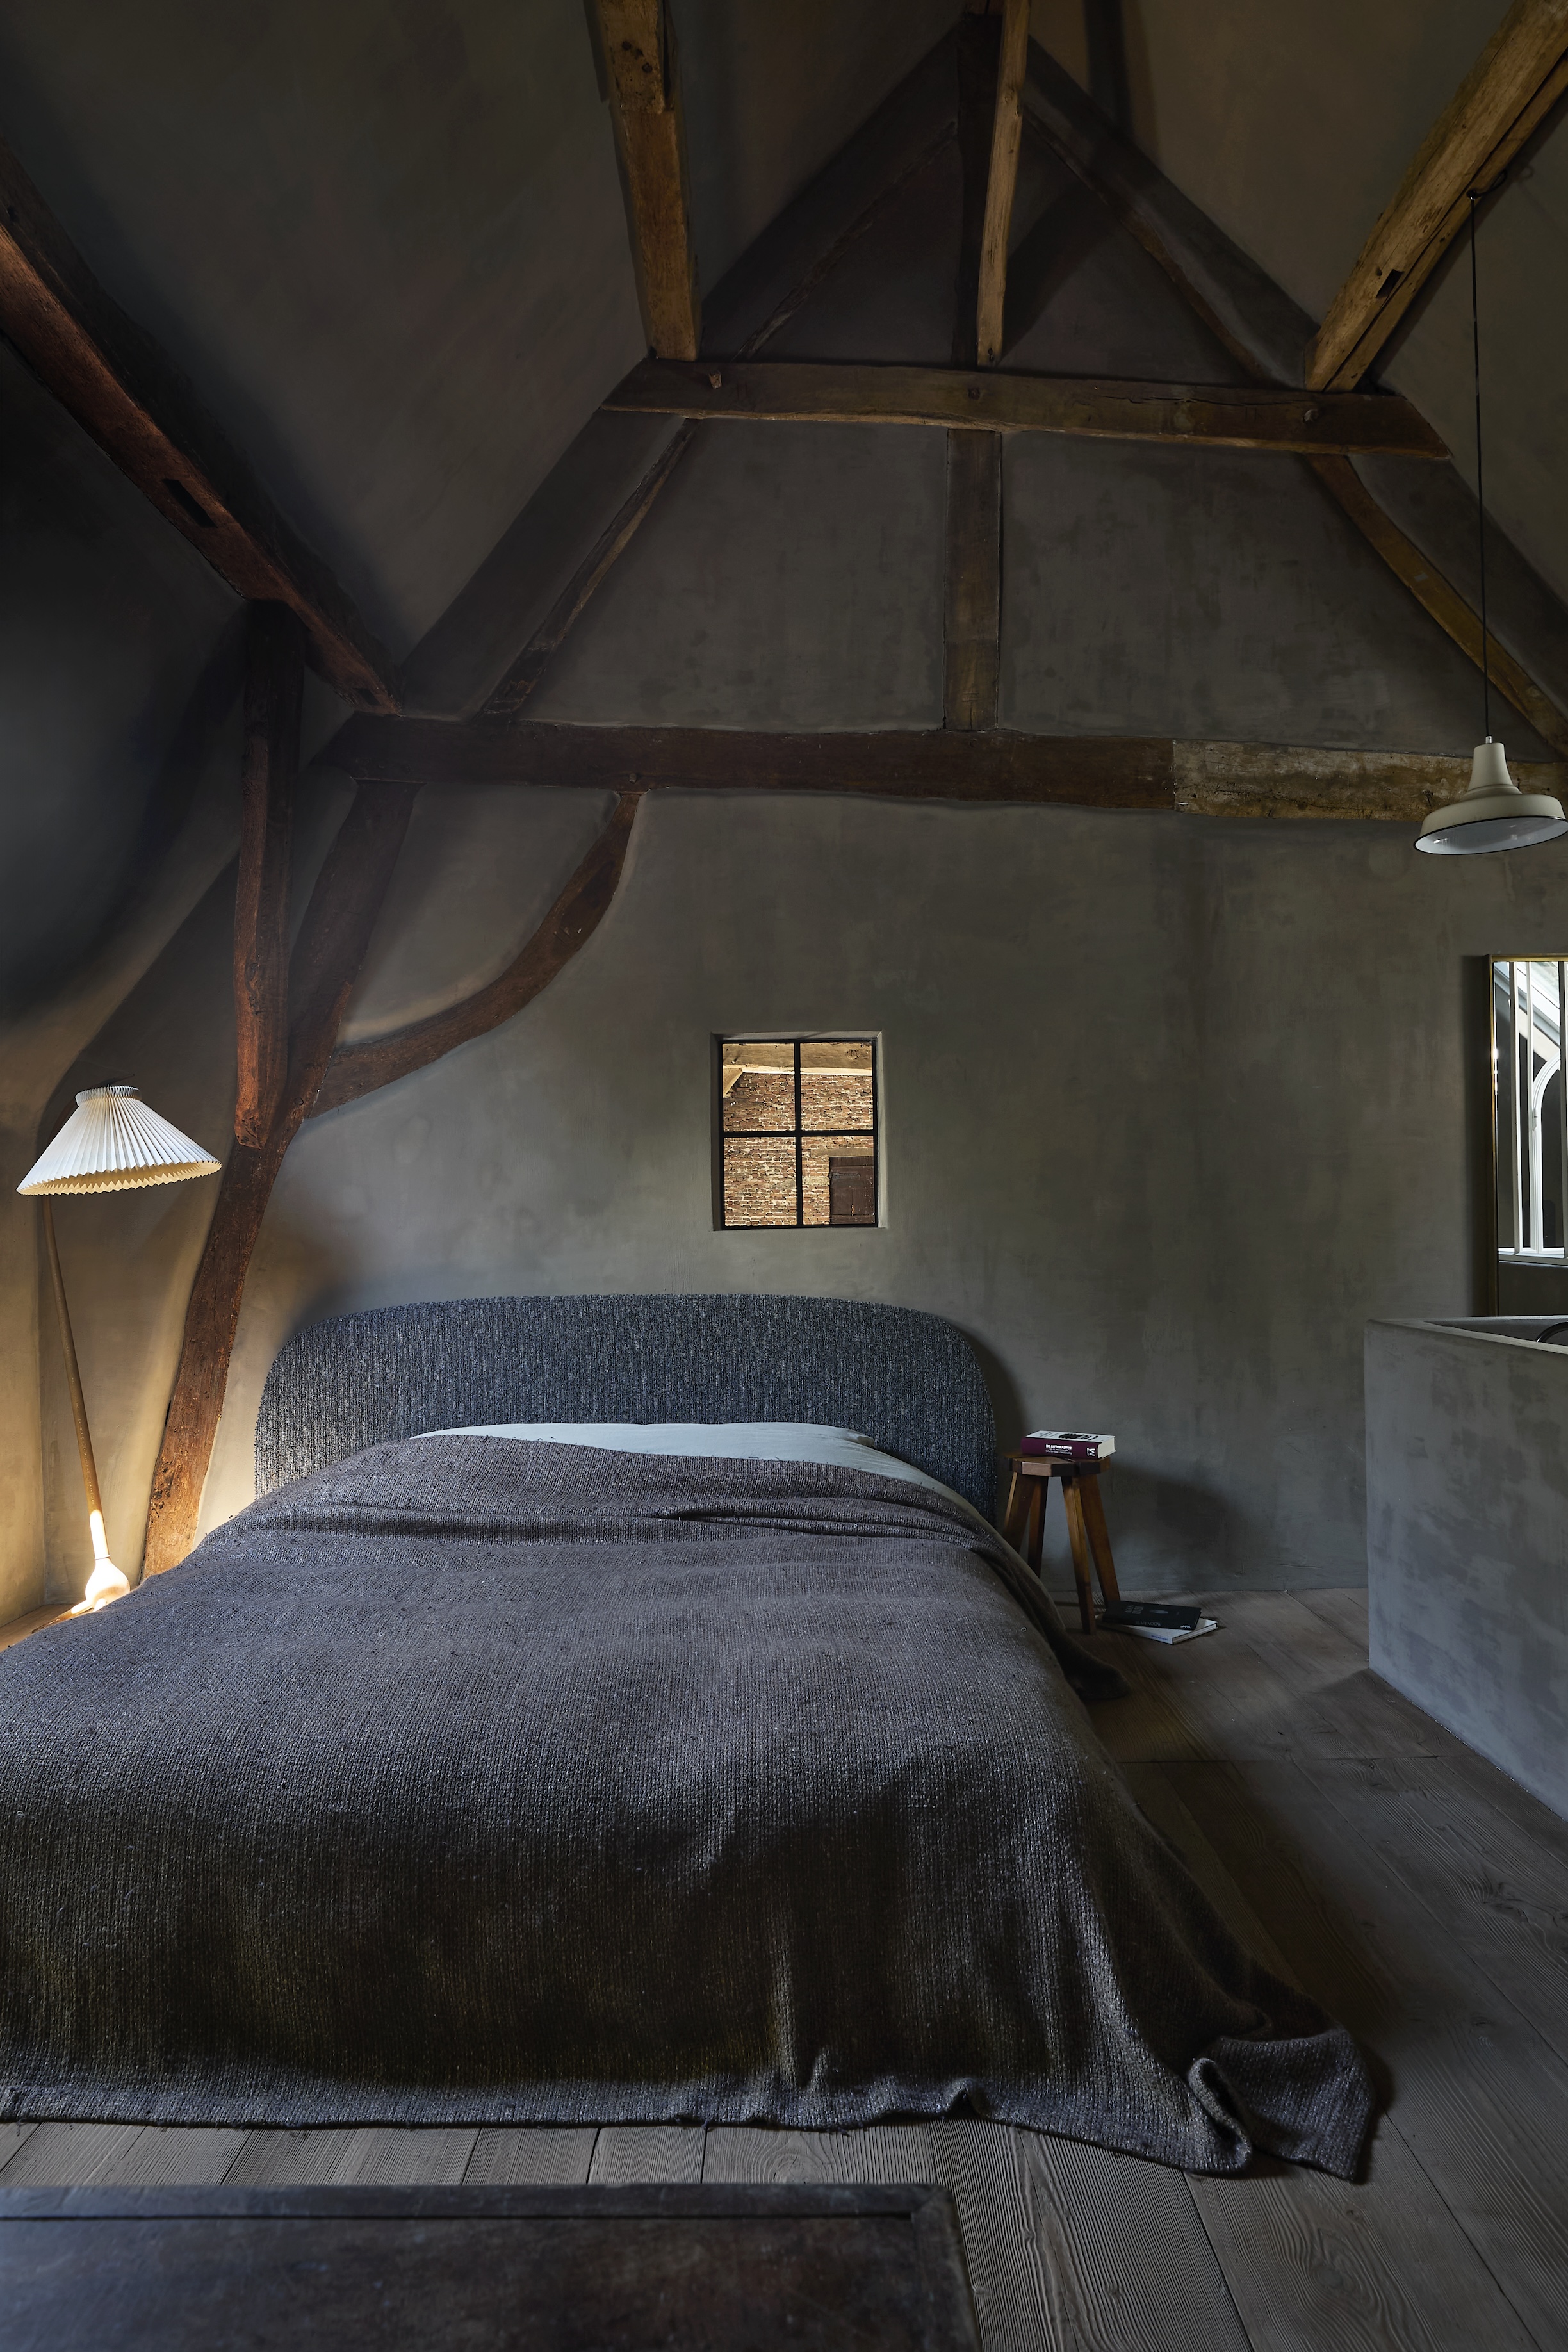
column 1069, row 1445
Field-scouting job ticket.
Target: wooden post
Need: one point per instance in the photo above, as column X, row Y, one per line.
column 1001, row 181
column 972, row 595
column 274, row 673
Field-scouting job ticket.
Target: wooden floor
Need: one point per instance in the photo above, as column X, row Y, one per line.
column 1418, row 1893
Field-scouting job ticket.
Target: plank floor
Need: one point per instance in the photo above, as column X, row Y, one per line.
column 1410, row 1887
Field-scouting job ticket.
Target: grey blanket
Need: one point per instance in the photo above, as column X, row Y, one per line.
column 474, row 1781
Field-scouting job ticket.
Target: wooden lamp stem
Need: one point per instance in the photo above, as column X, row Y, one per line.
column 73, row 1371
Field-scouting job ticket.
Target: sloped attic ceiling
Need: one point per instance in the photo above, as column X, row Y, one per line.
column 384, row 240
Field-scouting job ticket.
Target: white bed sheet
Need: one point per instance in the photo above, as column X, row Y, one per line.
column 730, row 1441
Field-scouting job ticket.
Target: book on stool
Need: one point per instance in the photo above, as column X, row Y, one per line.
column 1067, row 1446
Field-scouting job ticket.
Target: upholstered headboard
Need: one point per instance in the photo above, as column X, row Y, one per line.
column 910, row 1381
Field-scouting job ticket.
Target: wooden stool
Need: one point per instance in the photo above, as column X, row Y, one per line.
column 1024, row 1522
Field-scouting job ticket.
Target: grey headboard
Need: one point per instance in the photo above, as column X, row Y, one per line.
column 910, row 1381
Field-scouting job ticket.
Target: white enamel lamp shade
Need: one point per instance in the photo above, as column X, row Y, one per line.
column 113, row 1143
column 1493, row 814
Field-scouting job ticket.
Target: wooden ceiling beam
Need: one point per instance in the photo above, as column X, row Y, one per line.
column 940, row 764
column 1226, row 416
column 1003, row 181
column 1513, row 84
column 1149, row 772
column 121, row 391
column 637, row 40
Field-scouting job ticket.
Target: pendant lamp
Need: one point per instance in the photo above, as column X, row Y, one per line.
column 1493, row 814
column 111, row 1143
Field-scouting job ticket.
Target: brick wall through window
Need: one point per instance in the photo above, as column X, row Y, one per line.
column 792, row 1110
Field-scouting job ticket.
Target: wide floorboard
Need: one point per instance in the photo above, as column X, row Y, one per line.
column 1412, row 1889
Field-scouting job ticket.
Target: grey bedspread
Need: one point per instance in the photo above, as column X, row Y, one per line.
column 474, row 1781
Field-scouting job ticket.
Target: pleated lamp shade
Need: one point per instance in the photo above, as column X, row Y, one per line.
column 112, row 1143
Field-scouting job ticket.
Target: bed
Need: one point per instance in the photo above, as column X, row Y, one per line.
column 475, row 1778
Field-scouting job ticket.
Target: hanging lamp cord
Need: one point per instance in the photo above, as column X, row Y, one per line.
column 1480, row 485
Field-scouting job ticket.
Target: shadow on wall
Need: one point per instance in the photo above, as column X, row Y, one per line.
column 1169, row 1534
column 33, row 968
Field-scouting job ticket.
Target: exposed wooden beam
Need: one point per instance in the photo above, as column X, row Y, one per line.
column 979, row 48
column 1225, row 416
column 639, row 42
column 1513, row 84
column 1264, row 779
column 359, row 1069
column 1003, row 180
column 507, row 699
column 274, row 664
column 121, row 390
column 1085, row 771
column 971, row 540
column 973, row 590
column 1149, row 772
column 326, row 963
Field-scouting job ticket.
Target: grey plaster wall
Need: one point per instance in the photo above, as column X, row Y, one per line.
column 1467, row 1501
column 790, row 576
column 1177, row 1231
column 771, row 91
column 1214, row 594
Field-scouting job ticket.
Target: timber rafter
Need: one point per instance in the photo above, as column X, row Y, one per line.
column 121, row 390
column 637, row 43
column 1514, row 86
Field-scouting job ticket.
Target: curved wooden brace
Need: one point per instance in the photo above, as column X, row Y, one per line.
column 356, row 1070
column 325, row 965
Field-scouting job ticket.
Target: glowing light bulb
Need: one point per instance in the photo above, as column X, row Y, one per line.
column 106, row 1583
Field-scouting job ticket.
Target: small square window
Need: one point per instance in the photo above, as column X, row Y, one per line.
column 798, row 1141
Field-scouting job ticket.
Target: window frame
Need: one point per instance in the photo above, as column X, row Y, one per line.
column 801, row 1134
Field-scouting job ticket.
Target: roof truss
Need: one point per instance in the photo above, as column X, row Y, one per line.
column 1512, row 86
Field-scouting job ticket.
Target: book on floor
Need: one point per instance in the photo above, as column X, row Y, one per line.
column 1159, row 1621
column 1067, row 1444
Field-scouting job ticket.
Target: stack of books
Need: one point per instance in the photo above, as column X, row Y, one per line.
column 1158, row 1621
column 1068, row 1445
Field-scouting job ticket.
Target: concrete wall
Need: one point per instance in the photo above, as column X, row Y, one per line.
column 1466, row 1502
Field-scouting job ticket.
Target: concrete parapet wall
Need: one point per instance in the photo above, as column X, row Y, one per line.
column 1468, row 1537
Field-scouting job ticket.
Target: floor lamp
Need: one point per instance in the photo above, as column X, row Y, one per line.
column 111, row 1143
